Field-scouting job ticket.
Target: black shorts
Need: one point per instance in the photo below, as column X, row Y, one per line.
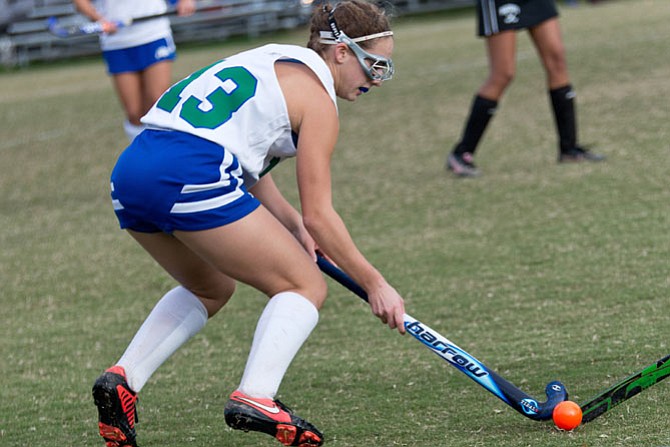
column 495, row 16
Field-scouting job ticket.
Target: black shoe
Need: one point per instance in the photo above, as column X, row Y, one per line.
column 462, row 164
column 117, row 414
column 272, row 417
column 578, row 155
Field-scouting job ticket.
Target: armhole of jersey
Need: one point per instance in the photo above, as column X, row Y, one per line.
column 290, row 59
column 317, row 72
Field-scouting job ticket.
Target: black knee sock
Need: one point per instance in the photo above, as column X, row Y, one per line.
column 563, row 103
column 481, row 112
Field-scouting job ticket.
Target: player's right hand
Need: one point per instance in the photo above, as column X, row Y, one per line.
column 108, row 27
column 387, row 304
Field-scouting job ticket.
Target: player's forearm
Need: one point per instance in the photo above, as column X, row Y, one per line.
column 87, row 8
column 333, row 238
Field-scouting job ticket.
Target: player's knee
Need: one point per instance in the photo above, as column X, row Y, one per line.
column 215, row 296
column 499, row 81
column 504, row 78
column 314, row 289
column 556, row 63
column 321, row 292
column 558, row 68
column 133, row 116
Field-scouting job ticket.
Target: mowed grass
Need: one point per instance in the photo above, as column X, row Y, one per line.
column 541, row 271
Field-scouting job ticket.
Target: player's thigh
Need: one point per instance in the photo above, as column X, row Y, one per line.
column 258, row 250
column 186, row 267
column 129, row 89
column 547, row 37
column 501, row 51
column 156, row 79
column 549, row 45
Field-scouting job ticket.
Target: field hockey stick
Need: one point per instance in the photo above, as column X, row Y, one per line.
column 625, row 389
column 61, row 30
column 83, row 29
column 464, row 362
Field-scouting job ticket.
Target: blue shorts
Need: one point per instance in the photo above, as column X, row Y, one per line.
column 169, row 180
column 138, row 58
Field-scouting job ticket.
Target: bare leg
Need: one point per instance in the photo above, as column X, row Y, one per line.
column 138, row 91
column 129, row 90
column 257, row 250
column 549, row 45
column 501, row 50
column 156, row 79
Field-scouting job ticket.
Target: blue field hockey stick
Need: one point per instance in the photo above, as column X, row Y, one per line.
column 83, row 29
column 464, row 362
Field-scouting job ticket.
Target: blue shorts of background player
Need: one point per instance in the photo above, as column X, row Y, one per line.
column 138, row 58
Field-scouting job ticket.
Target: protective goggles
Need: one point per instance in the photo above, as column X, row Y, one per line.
column 376, row 67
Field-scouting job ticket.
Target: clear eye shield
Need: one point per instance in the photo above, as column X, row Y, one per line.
column 376, row 67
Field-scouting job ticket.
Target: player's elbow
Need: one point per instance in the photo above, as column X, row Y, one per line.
column 316, row 223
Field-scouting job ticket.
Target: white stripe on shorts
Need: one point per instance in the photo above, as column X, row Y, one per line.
column 189, row 189
column 489, row 17
column 214, row 202
column 115, row 202
column 204, row 205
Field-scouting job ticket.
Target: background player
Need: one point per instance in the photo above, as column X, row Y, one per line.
column 498, row 22
column 138, row 57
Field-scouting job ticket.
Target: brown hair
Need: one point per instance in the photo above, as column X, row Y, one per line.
column 356, row 18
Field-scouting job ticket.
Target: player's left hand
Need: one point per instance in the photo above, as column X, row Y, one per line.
column 186, row 7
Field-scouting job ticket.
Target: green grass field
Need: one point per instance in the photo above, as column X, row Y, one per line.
column 542, row 271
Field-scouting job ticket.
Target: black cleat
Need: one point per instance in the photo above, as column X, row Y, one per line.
column 578, row 155
column 117, row 414
column 462, row 164
column 272, row 417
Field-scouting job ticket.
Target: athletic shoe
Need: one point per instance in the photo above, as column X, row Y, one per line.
column 272, row 417
column 117, row 414
column 462, row 164
column 579, row 154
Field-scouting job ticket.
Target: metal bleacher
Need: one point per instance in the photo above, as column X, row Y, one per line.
column 27, row 38
column 426, row 6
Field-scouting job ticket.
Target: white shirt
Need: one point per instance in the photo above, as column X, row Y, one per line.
column 238, row 103
column 139, row 33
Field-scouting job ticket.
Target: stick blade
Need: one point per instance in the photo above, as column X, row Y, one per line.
column 55, row 29
column 626, row 389
column 556, row 393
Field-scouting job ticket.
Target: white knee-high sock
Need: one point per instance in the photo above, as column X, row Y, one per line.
column 283, row 327
column 173, row 321
column 132, row 130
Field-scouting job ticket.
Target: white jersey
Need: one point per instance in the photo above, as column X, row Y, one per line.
column 138, row 33
column 238, row 103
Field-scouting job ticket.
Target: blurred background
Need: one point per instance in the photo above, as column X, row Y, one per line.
column 25, row 38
